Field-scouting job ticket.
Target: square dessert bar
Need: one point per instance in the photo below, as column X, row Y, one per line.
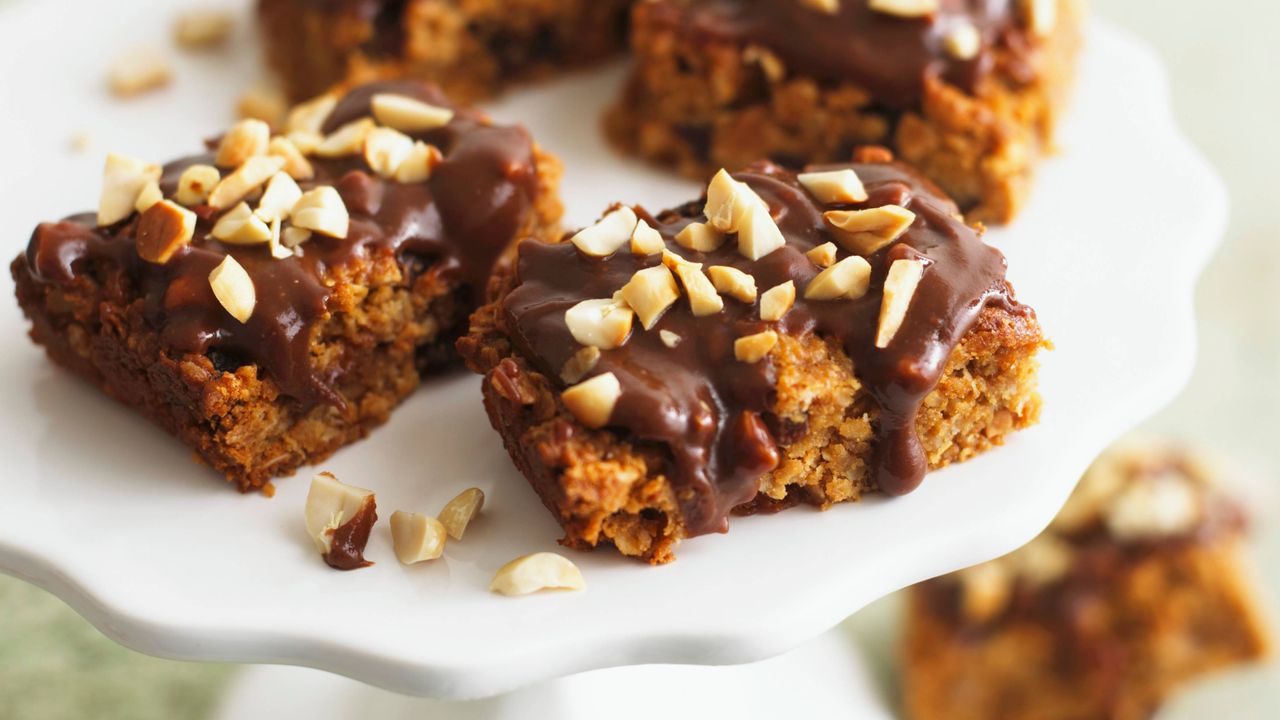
column 1137, row 587
column 472, row 48
column 790, row 339
column 272, row 300
column 968, row 92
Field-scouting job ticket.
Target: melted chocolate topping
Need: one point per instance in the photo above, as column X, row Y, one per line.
column 714, row 413
column 346, row 552
column 454, row 225
column 890, row 56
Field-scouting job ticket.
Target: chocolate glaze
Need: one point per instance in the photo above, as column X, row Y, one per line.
column 889, row 56
column 454, row 225
column 346, row 552
column 714, row 413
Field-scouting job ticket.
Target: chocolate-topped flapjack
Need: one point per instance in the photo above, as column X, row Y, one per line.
column 273, row 298
column 790, row 338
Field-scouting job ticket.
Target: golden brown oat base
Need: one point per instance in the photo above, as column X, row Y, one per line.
column 1173, row 615
column 702, row 108
column 605, row 489
column 386, row 324
column 471, row 48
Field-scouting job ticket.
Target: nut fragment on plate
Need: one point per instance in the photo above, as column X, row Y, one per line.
column 733, row 282
column 346, row 140
column 905, row 8
column 646, row 241
column 196, row 183
column 247, row 178
column 824, row 255
column 164, row 229
column 866, row 231
column 758, row 234
column 899, row 287
column 203, row 28
column 581, row 363
column 408, row 114
column 262, row 103
column 339, row 518
column 308, row 117
column 753, row 348
column 539, row 571
column 233, row 288
column 245, row 139
column 834, row 186
column 608, row 234
column 458, row 513
column 847, row 279
column 123, row 179
column 700, row 236
column 592, row 401
column 322, row 210
column 777, row 300
column 138, row 70
column 416, row 537
column 649, row 293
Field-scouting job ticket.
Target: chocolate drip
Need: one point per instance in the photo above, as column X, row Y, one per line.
column 457, row 223
column 889, row 56
column 713, row 413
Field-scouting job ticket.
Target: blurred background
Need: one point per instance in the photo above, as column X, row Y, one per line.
column 1223, row 59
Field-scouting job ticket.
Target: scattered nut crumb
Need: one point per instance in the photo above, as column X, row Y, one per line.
column 700, row 237
column 277, row 201
column 322, row 210
column 420, row 163
column 539, row 571
column 592, row 401
column 758, row 234
column 239, row 226
column 262, row 103
column 733, row 282
column 234, row 290
column 244, row 140
column 408, row 114
column 753, row 348
column 458, row 512
column 866, row 231
column 138, row 70
column 295, row 161
column 834, row 186
column 80, row 141
column 250, row 176
column 385, row 149
column 905, row 8
column 703, row 299
column 346, row 140
column 649, row 293
column 669, row 338
column 308, row 117
column 123, row 179
column 899, row 287
column 824, row 255
column 847, row 279
column 203, row 28
column 416, row 537
column 164, row 229
column 776, row 301
column 729, row 202
column 645, row 240
column 150, row 195
column 603, row 324
column 581, row 363
column 608, row 234
column 196, row 183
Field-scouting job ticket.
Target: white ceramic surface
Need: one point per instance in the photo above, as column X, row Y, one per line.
column 111, row 515
column 824, row 678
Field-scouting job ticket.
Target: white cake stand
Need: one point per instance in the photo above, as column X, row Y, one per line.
column 106, row 512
